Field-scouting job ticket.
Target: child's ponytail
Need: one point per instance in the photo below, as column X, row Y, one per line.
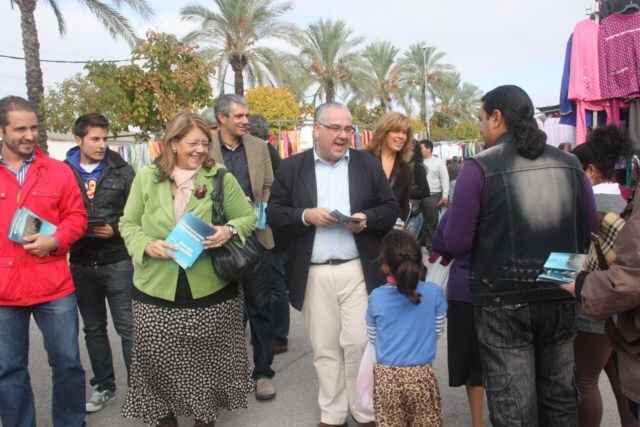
column 402, row 254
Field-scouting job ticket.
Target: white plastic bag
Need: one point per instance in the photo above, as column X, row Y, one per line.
column 438, row 271
column 364, row 383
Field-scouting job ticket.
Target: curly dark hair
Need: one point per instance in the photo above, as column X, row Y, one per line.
column 604, row 147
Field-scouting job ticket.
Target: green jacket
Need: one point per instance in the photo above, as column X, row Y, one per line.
column 148, row 215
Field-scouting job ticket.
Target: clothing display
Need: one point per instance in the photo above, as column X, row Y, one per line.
column 601, row 73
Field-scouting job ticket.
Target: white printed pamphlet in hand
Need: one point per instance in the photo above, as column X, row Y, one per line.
column 25, row 223
column 188, row 236
column 561, row 267
column 344, row 218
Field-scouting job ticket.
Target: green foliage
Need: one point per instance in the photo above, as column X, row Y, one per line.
column 416, row 124
column 164, row 77
column 273, row 104
column 363, row 115
column 467, row 130
column 441, row 133
column 442, row 120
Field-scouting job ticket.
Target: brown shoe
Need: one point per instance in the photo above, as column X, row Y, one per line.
column 369, row 424
column 168, row 421
column 281, row 348
column 203, row 424
column 346, row 424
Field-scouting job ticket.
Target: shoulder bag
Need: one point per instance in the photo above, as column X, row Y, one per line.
column 230, row 261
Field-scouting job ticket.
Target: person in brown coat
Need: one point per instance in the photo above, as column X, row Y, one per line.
column 603, row 294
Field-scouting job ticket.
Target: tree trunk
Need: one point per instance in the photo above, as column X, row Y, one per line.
column 330, row 90
column 238, row 80
column 423, row 103
column 31, row 46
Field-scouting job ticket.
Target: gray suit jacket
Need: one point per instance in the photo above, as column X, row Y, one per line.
column 260, row 174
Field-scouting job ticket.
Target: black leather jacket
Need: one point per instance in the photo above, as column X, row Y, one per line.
column 112, row 191
column 529, row 209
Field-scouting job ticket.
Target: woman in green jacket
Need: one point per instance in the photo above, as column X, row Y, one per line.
column 189, row 357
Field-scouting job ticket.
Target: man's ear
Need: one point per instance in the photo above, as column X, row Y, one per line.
column 496, row 118
column 78, row 140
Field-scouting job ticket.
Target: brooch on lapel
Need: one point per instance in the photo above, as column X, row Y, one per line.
column 201, row 191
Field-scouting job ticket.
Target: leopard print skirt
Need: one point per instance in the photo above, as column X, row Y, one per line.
column 406, row 396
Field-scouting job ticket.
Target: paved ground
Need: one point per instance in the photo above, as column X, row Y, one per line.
column 295, row 405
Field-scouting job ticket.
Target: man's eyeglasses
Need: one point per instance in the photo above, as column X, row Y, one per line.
column 194, row 144
column 349, row 130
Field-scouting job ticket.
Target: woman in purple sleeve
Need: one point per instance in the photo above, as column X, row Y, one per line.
column 516, row 202
column 463, row 353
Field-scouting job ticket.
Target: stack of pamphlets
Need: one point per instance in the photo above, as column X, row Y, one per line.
column 561, row 267
column 25, row 223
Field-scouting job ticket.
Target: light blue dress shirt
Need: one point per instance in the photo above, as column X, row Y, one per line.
column 332, row 181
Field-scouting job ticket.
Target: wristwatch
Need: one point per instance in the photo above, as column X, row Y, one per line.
column 233, row 230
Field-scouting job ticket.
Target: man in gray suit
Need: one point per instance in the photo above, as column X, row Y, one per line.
column 247, row 158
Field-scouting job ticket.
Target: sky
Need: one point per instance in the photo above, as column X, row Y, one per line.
column 490, row 42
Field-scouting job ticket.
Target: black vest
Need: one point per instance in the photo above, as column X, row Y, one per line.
column 529, row 209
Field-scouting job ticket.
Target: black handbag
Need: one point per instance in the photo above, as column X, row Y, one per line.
column 230, row 261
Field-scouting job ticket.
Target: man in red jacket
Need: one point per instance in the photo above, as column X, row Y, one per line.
column 34, row 275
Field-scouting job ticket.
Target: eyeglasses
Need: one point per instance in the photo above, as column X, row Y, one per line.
column 194, row 144
column 349, row 130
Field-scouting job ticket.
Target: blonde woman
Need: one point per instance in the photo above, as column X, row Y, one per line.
column 392, row 143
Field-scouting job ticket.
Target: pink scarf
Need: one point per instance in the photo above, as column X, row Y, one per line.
column 184, row 180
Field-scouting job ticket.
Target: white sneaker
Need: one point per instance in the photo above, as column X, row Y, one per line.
column 99, row 399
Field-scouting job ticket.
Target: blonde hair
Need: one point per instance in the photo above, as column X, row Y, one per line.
column 179, row 125
column 392, row 122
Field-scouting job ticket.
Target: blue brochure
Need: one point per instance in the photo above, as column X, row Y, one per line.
column 260, row 209
column 188, row 236
column 561, row 267
column 25, row 223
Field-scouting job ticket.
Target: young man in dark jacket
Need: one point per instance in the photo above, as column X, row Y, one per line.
column 100, row 264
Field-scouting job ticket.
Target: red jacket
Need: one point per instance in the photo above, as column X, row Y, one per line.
column 51, row 192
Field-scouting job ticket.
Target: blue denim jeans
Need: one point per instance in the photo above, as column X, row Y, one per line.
column 527, row 358
column 257, row 297
column 414, row 224
column 58, row 322
column 94, row 285
column 279, row 300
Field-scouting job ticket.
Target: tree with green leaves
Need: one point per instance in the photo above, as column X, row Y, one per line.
column 380, row 80
column 459, row 99
column 164, row 77
column 421, row 68
column 329, row 54
column 232, row 36
column 108, row 14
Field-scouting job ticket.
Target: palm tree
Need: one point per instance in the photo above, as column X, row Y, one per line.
column 421, row 67
column 456, row 98
column 116, row 23
column 381, row 79
column 231, row 37
column 328, row 53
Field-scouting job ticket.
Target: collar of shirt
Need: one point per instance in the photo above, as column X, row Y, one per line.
column 225, row 146
column 318, row 159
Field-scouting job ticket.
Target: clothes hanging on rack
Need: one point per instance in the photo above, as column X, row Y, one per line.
column 557, row 133
column 619, row 56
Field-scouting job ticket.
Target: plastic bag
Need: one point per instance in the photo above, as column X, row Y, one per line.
column 438, row 271
column 364, row 382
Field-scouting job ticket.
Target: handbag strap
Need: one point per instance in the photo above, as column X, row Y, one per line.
column 217, row 198
column 602, row 260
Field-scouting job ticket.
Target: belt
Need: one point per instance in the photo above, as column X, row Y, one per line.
column 333, row 262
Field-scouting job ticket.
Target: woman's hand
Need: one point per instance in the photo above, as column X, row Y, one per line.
column 220, row 237
column 569, row 287
column 160, row 249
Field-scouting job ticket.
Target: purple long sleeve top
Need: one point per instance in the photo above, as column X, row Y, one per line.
column 458, row 284
column 460, row 231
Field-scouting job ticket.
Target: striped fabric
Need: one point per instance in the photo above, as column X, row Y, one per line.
column 22, row 172
column 607, row 233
